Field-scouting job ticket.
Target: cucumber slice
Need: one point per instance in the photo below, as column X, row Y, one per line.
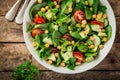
column 82, row 35
column 96, row 28
column 106, row 22
column 97, row 40
column 89, row 59
column 101, row 34
column 52, row 57
column 109, row 32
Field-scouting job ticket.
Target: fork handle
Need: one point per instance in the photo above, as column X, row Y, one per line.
column 19, row 18
column 12, row 12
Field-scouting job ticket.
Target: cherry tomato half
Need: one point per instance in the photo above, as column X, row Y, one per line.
column 97, row 23
column 36, row 31
column 67, row 37
column 79, row 16
column 39, row 20
column 78, row 56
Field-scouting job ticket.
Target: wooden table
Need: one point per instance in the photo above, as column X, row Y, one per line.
column 13, row 51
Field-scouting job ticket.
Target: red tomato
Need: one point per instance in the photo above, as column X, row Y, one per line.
column 79, row 16
column 67, row 37
column 37, row 31
column 97, row 23
column 78, row 56
column 39, row 20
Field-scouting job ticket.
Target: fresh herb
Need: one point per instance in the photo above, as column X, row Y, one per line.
column 26, row 71
column 71, row 63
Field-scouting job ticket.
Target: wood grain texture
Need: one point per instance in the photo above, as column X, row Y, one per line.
column 12, row 55
column 89, row 75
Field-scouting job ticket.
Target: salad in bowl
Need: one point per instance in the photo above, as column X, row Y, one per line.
column 69, row 33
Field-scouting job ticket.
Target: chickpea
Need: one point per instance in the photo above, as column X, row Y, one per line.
column 99, row 16
column 55, row 17
column 91, row 8
column 55, row 3
column 86, row 32
column 105, row 16
column 103, row 30
column 70, row 9
column 62, row 64
column 46, row 31
column 94, row 16
column 86, row 2
column 50, row 62
column 101, row 46
column 77, row 25
column 83, row 25
column 57, row 6
column 46, row 7
column 84, row 22
column 70, row 32
column 104, row 39
column 92, row 46
column 69, row 28
column 43, row 9
column 39, row 1
column 56, row 55
column 36, row 15
column 34, row 44
column 47, row 45
column 72, row 42
column 91, row 38
column 59, row 47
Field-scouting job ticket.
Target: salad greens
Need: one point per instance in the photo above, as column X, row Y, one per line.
column 69, row 32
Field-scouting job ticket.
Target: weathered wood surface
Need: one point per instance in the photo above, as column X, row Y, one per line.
column 89, row 75
column 13, row 51
column 13, row 54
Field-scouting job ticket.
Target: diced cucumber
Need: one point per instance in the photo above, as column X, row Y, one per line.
column 96, row 28
column 91, row 2
column 101, row 34
column 52, row 57
column 89, row 59
column 109, row 32
column 82, row 35
column 67, row 55
column 97, row 40
column 106, row 22
column 47, row 40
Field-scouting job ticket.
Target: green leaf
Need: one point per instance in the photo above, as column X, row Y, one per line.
column 29, row 27
column 95, row 6
column 83, row 48
column 76, row 35
column 63, row 29
column 102, row 8
column 42, row 26
column 71, row 64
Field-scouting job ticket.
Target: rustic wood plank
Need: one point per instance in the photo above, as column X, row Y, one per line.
column 12, row 55
column 17, row 53
column 89, row 75
column 5, row 5
column 11, row 32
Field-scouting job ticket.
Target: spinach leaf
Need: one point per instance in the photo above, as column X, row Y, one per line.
column 76, row 35
column 88, row 13
column 95, row 6
column 63, row 29
column 29, row 27
column 83, row 48
column 62, row 18
column 58, row 60
column 102, row 8
column 42, row 26
column 71, row 64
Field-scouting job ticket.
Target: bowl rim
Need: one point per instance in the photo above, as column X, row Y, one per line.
column 85, row 66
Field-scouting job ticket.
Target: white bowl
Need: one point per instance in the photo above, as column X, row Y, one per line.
column 85, row 66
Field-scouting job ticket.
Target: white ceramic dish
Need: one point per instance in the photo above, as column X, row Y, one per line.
column 84, row 67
